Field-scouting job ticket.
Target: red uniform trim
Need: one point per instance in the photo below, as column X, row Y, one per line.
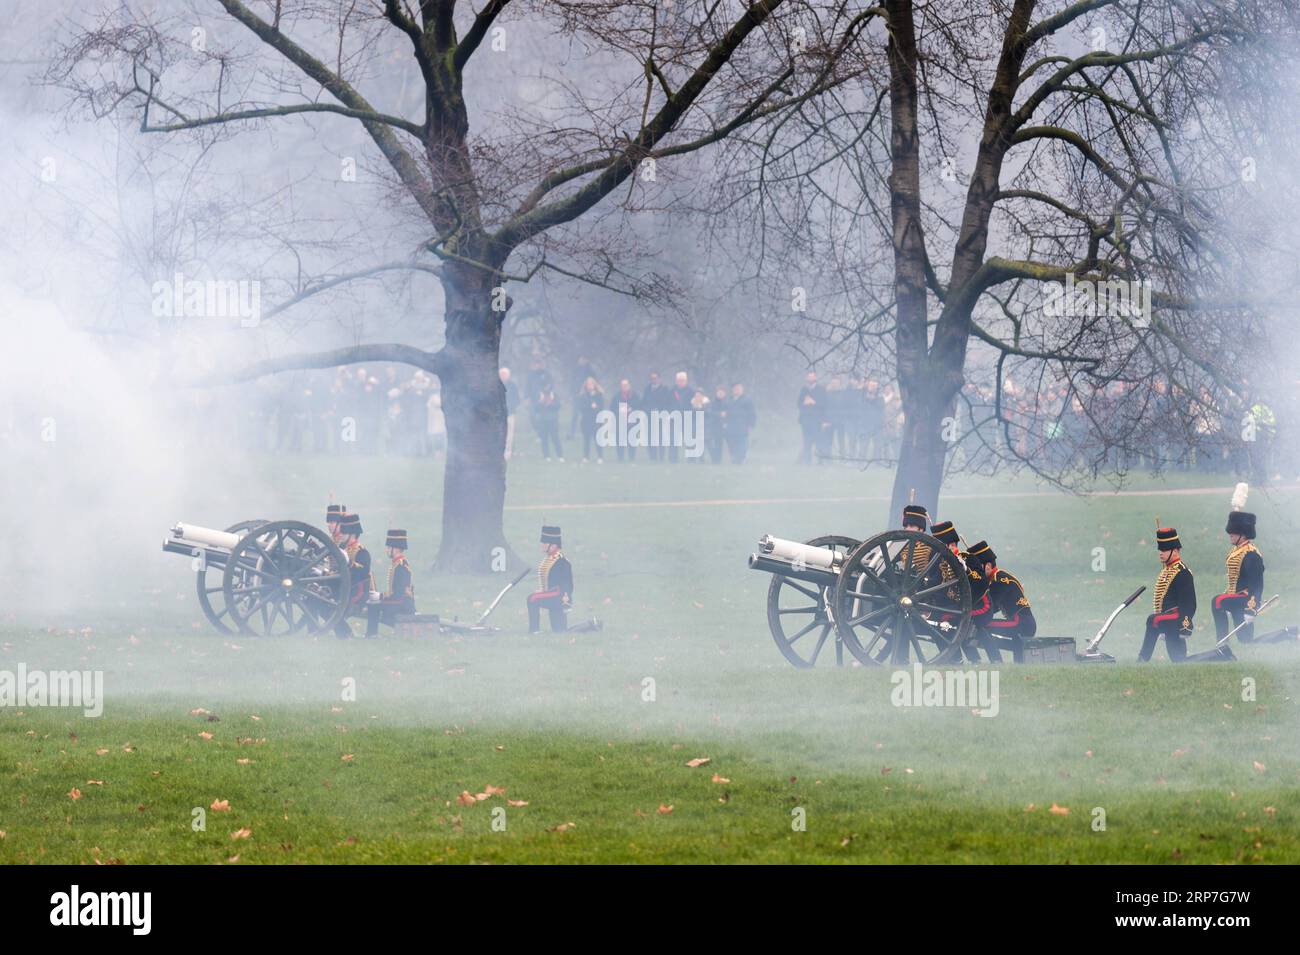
column 1219, row 606
column 1007, row 624
column 543, row 594
column 1167, row 616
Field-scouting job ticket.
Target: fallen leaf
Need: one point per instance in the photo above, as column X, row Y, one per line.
column 101, row 752
column 1088, row 754
column 1030, row 808
column 563, row 827
column 466, row 798
column 254, row 716
column 720, row 779
column 516, row 802
column 1270, row 810
column 3, row 833
column 1059, row 810
column 665, row 810
column 198, row 711
column 243, row 762
column 1179, row 752
column 494, row 790
column 234, row 858
column 220, row 805
column 75, row 794
column 698, row 761
column 241, row 833
column 909, row 771
column 205, row 735
column 348, row 757
column 1259, row 767
column 94, row 782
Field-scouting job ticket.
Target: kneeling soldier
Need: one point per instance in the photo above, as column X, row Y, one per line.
column 1174, row 601
column 554, row 584
column 1006, row 594
column 1245, row 580
column 399, row 598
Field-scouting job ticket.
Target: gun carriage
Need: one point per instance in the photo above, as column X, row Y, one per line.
column 896, row 598
column 268, row 578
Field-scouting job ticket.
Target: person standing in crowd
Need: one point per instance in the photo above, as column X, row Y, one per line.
column 716, row 422
column 679, row 399
column 812, row 415
column 512, row 405
column 700, row 409
column 835, row 435
column 538, row 378
column 655, row 398
column 741, row 419
column 622, row 405
column 546, row 421
column 577, row 384
column 590, row 403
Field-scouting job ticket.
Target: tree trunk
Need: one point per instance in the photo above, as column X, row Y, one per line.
column 921, row 455
column 474, row 404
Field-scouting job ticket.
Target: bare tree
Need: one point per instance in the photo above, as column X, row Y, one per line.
column 1001, row 163
column 498, row 205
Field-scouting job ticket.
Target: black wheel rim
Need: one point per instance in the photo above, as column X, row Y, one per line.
column 799, row 614
column 285, row 578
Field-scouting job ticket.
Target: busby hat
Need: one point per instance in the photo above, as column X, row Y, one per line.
column 1243, row 523
column 334, row 513
column 945, row 531
column 551, row 534
column 1167, row 539
column 915, row 514
column 981, row 553
column 396, row 538
column 351, row 524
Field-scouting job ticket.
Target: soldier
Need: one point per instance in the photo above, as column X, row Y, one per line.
column 1003, row 593
column 554, row 591
column 947, row 534
column 399, row 598
column 363, row 582
column 1245, row 580
column 333, row 516
column 1174, row 602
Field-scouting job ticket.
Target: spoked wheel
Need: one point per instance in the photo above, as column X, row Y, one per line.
column 212, row 599
column 903, row 597
column 286, row 577
column 798, row 612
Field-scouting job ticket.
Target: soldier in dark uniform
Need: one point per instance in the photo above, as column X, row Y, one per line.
column 399, row 598
column 947, row 534
column 333, row 516
column 1003, row 594
column 359, row 562
column 1174, row 602
column 554, row 591
column 1245, row 580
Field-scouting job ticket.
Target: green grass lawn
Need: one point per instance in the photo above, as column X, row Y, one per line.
column 356, row 751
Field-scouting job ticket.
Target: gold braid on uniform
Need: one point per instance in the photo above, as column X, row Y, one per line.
column 544, row 570
column 920, row 556
column 351, row 550
column 1166, row 577
column 392, row 571
column 1235, row 557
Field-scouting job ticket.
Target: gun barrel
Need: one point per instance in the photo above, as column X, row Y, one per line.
column 206, row 536
column 818, row 565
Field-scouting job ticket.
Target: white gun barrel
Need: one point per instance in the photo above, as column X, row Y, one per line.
column 206, row 536
column 793, row 552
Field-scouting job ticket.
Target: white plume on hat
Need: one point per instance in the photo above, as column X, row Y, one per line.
column 1239, row 495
